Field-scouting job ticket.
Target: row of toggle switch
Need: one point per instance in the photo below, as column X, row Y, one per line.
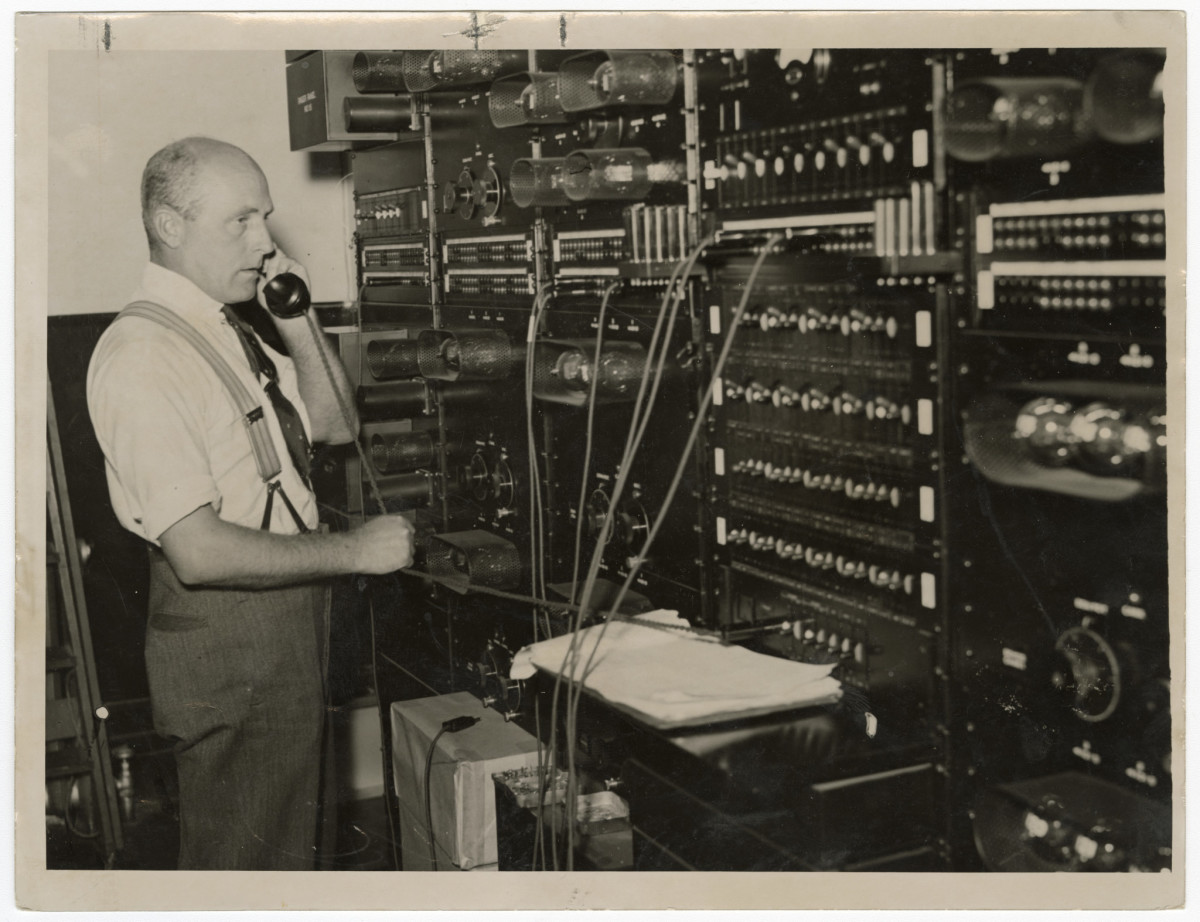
column 813, row 399
column 812, row 320
column 810, row 635
column 881, row 577
column 511, row 251
column 805, row 154
column 1145, row 230
column 826, row 483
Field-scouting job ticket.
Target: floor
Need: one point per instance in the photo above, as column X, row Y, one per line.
column 360, row 839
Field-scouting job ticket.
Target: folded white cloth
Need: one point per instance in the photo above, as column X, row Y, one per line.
column 673, row 679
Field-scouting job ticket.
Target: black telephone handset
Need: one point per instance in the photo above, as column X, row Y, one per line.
column 287, row 296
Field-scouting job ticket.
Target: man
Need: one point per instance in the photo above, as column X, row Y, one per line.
column 236, row 605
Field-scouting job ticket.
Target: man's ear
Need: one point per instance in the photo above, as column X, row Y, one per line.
column 169, row 226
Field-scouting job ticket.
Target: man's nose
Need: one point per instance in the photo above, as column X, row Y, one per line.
column 262, row 242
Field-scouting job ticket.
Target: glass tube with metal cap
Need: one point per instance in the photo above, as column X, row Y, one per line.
column 600, row 79
column 1001, row 119
column 525, row 99
column 615, row 174
column 537, row 182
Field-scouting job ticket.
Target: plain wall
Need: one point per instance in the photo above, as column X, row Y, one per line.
column 109, row 111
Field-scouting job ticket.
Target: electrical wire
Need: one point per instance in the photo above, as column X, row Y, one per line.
column 389, row 805
column 589, row 434
column 347, row 258
column 570, row 655
column 685, row 455
column 639, row 422
column 536, row 548
column 643, row 405
column 429, row 800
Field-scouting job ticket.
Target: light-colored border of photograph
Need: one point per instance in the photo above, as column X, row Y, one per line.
column 37, row 35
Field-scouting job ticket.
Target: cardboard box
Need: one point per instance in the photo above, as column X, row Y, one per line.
column 414, row 848
column 463, row 799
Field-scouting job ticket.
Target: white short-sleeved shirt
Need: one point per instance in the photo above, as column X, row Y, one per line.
column 172, row 437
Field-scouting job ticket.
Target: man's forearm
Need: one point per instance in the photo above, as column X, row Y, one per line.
column 206, row 551
column 311, row 354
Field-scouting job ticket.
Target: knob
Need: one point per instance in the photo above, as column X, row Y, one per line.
column 784, row 396
column 810, row 319
column 816, row 400
column 882, row 408
column 757, row 393
column 773, row 318
column 848, row 404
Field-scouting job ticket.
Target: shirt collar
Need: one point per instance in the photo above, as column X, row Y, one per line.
column 174, row 291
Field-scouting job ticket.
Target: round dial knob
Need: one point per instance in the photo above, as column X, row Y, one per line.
column 1088, row 674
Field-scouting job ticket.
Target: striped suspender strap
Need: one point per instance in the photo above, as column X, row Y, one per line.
column 266, row 459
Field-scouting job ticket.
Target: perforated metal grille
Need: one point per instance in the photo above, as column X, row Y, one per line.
column 479, row 557
column 486, row 354
column 460, row 67
column 617, row 78
column 525, row 99
column 402, row 451
column 417, row 75
column 537, row 182
column 379, row 71
column 388, row 359
column 504, row 101
column 642, row 78
column 431, row 358
column 576, row 87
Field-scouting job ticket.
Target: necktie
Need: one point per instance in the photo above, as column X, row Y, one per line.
column 261, row 364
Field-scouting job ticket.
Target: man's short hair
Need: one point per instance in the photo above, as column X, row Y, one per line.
column 170, row 179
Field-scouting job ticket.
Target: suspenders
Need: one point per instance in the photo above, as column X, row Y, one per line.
column 266, row 459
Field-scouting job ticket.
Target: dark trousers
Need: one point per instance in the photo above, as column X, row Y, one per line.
column 236, row 680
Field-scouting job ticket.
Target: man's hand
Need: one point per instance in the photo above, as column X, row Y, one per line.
column 384, row 544
column 277, row 264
